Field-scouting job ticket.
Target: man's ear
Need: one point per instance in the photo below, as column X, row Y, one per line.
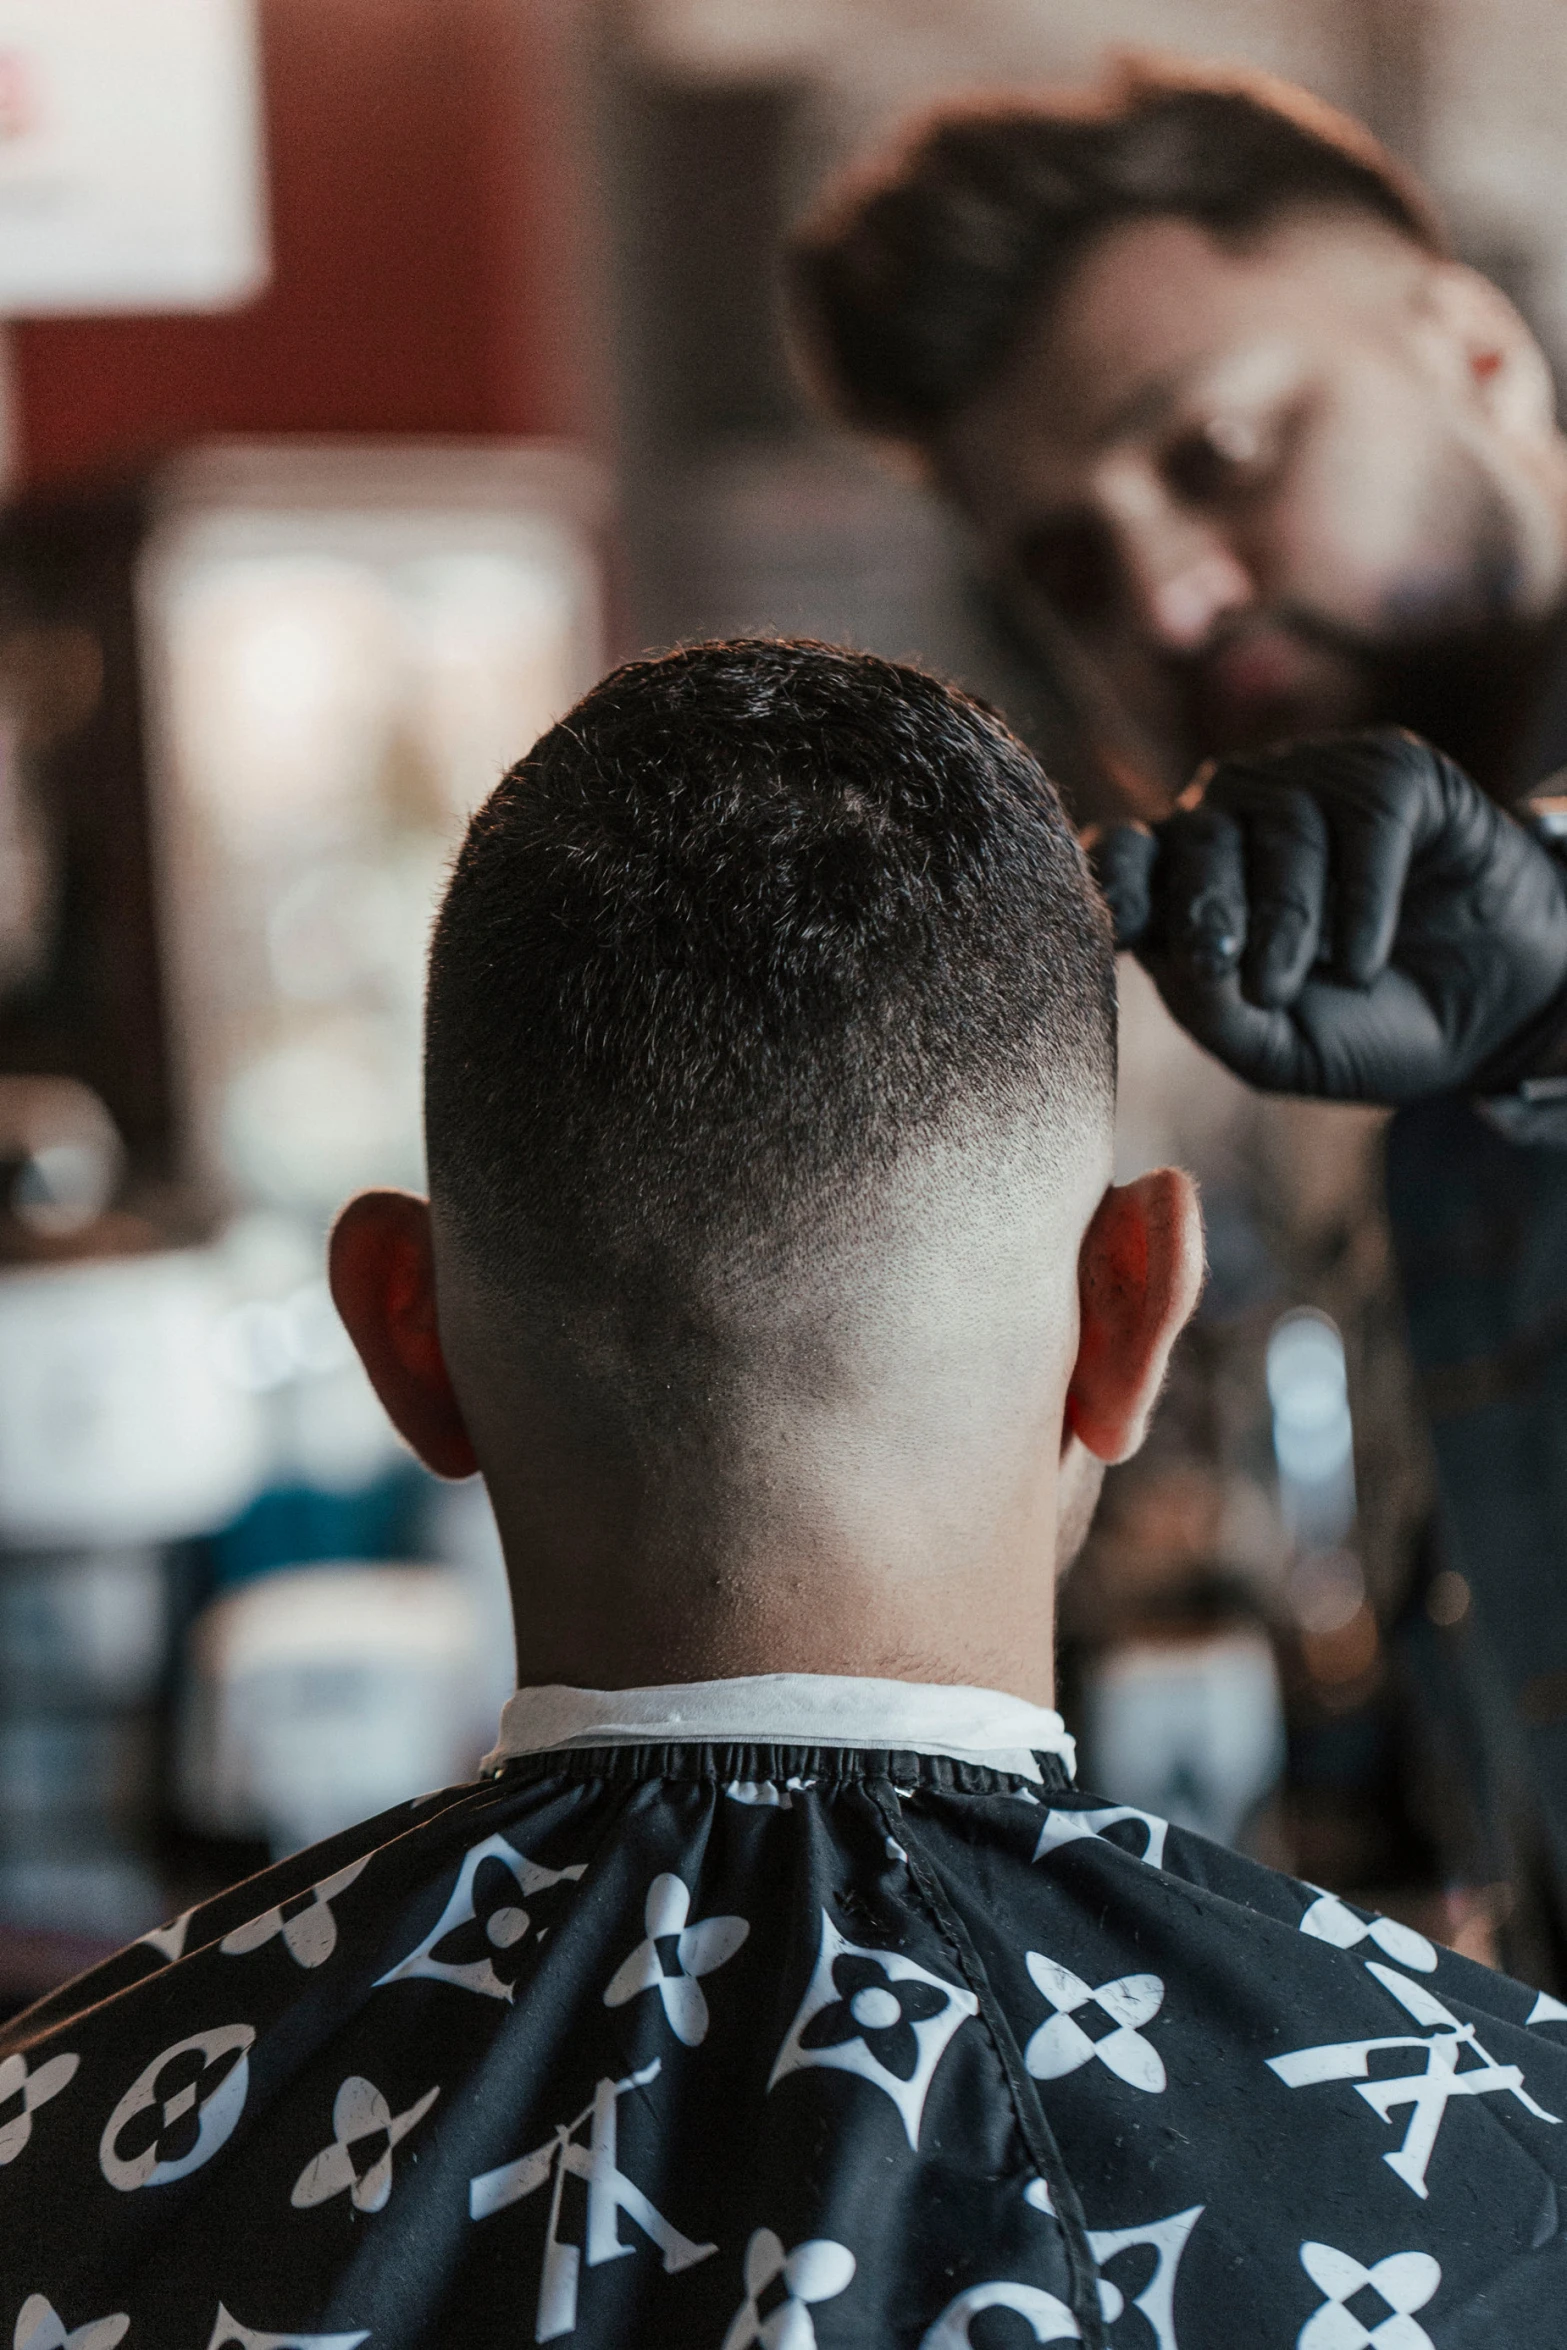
column 383, row 1284
column 1140, row 1270
column 1502, row 365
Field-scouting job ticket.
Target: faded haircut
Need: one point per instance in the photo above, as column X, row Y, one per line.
column 745, row 925
column 917, row 277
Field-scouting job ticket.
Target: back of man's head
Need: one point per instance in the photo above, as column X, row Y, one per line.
column 746, row 927
column 917, row 279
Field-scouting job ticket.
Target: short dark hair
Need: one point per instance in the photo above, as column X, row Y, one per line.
column 917, row 277
column 743, row 924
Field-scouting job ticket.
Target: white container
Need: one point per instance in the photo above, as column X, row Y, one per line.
column 1192, row 1731
column 321, row 1695
column 117, row 1426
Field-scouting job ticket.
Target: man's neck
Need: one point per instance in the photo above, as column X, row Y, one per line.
column 648, row 1624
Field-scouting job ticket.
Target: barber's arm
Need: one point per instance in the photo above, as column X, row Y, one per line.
column 1352, row 918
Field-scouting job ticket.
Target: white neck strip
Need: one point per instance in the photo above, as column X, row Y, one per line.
column 983, row 1726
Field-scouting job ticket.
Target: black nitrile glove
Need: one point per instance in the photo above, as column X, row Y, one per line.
column 1349, row 917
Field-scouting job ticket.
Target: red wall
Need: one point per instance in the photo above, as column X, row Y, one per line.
column 427, row 252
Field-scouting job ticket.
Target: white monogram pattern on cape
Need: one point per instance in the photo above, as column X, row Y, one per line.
column 794, row 2049
column 674, row 1971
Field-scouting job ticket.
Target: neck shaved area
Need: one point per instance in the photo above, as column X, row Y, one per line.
column 836, row 1450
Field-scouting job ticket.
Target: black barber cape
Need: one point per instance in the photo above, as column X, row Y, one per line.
column 723, row 2046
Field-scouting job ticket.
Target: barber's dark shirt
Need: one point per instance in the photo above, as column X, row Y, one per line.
column 1477, row 1203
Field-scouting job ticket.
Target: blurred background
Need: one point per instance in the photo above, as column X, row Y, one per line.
column 371, row 373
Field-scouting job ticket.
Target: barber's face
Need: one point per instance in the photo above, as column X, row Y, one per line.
column 1265, row 492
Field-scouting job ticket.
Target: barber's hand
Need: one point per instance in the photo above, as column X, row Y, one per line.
column 1348, row 917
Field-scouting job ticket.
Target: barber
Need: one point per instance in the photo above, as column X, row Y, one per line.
column 1252, row 458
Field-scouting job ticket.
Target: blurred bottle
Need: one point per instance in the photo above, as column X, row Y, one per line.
column 116, row 1443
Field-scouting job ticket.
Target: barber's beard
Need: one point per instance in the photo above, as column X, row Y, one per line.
column 1460, row 667
column 1472, row 691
